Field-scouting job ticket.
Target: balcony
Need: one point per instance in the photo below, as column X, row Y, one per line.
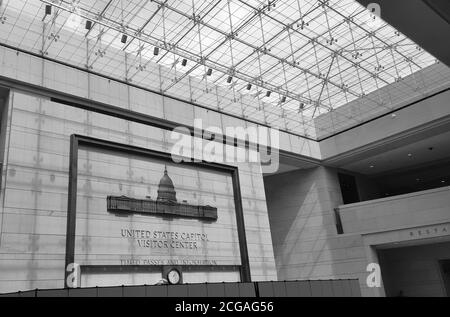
column 398, row 212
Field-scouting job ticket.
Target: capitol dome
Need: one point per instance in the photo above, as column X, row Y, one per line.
column 166, row 190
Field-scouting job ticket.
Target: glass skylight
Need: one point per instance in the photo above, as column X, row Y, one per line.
column 288, row 63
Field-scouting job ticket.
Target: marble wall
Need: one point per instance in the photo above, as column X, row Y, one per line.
column 306, row 243
column 35, row 187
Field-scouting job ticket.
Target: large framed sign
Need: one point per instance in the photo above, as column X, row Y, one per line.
column 134, row 209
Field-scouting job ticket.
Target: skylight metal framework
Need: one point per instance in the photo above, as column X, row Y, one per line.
column 286, row 63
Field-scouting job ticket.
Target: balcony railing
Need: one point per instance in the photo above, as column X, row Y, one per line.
column 410, row 210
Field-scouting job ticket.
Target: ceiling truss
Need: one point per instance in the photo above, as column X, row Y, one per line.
column 297, row 60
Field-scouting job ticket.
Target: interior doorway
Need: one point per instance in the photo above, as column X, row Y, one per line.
column 445, row 271
column 416, row 271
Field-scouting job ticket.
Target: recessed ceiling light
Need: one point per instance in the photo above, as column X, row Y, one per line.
column 410, row 155
column 372, row 166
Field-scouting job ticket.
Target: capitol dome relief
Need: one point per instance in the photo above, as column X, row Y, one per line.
column 166, row 190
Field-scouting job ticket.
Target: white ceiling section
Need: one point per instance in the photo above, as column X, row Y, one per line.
column 314, row 57
column 432, row 149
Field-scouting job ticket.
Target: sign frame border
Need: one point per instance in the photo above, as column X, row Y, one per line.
column 76, row 141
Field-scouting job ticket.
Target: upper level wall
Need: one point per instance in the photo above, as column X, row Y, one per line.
column 398, row 212
column 421, row 113
column 396, row 95
column 37, row 71
column 302, row 224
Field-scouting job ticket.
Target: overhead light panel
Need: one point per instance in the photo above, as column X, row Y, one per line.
column 209, row 72
column 230, row 78
column 48, row 9
column 124, row 39
column 283, row 100
column 268, row 93
column 156, row 51
column 249, row 86
column 88, row 25
column 184, row 62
